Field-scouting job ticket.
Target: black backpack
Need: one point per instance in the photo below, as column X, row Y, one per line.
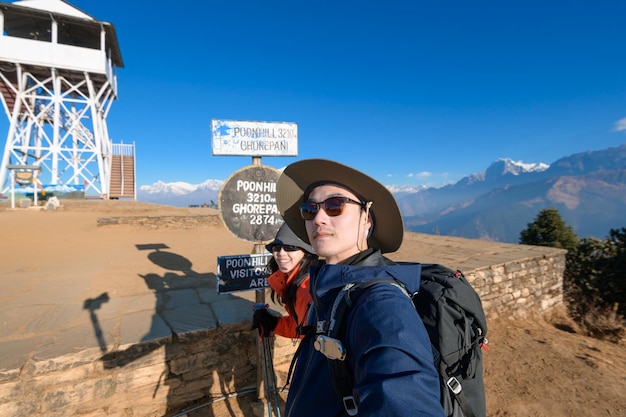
column 454, row 318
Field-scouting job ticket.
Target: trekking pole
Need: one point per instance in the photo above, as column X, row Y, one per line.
column 270, row 366
column 266, row 377
column 266, row 363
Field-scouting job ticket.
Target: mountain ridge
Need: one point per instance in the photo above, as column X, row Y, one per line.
column 588, row 189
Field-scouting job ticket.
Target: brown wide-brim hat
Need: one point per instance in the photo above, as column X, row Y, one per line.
column 299, row 176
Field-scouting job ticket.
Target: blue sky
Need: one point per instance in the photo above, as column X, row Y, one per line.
column 411, row 92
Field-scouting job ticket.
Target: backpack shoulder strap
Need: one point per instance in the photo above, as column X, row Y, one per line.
column 330, row 338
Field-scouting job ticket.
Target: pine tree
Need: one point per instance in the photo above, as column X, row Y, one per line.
column 549, row 229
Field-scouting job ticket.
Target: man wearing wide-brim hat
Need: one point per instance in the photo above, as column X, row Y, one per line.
column 350, row 220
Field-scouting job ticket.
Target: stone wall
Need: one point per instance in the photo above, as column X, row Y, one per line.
column 138, row 380
column 162, row 377
column 516, row 288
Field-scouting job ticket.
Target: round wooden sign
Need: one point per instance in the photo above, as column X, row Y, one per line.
column 248, row 203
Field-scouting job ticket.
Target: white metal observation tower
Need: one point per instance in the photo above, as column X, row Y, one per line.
column 57, row 83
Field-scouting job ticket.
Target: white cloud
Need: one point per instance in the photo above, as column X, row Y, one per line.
column 620, row 125
column 420, row 175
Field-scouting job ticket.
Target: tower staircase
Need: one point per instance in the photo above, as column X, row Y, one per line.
column 8, row 83
column 122, row 179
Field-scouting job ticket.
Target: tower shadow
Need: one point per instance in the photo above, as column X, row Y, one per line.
column 183, row 309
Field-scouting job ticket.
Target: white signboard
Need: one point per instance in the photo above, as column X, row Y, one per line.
column 245, row 138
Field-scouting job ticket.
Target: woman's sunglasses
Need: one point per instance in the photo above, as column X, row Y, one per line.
column 287, row 248
column 333, row 206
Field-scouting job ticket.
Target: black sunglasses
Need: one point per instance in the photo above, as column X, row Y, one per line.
column 333, row 206
column 287, row 248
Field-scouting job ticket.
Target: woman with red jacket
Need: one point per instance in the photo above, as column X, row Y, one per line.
column 288, row 271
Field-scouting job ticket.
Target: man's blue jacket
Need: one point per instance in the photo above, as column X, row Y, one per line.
column 387, row 345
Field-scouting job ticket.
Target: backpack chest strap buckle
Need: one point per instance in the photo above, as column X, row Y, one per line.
column 350, row 405
column 454, row 385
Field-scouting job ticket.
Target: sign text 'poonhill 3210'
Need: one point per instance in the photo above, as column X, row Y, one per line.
column 248, row 138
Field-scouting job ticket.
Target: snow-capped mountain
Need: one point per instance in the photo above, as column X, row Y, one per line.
column 181, row 194
column 403, row 189
column 174, row 188
column 505, row 166
column 589, row 189
column 501, row 168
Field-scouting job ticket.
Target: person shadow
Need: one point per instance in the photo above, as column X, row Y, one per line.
column 182, row 314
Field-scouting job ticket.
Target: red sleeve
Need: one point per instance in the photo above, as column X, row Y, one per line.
column 286, row 325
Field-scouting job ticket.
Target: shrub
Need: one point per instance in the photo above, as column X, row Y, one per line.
column 594, row 285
